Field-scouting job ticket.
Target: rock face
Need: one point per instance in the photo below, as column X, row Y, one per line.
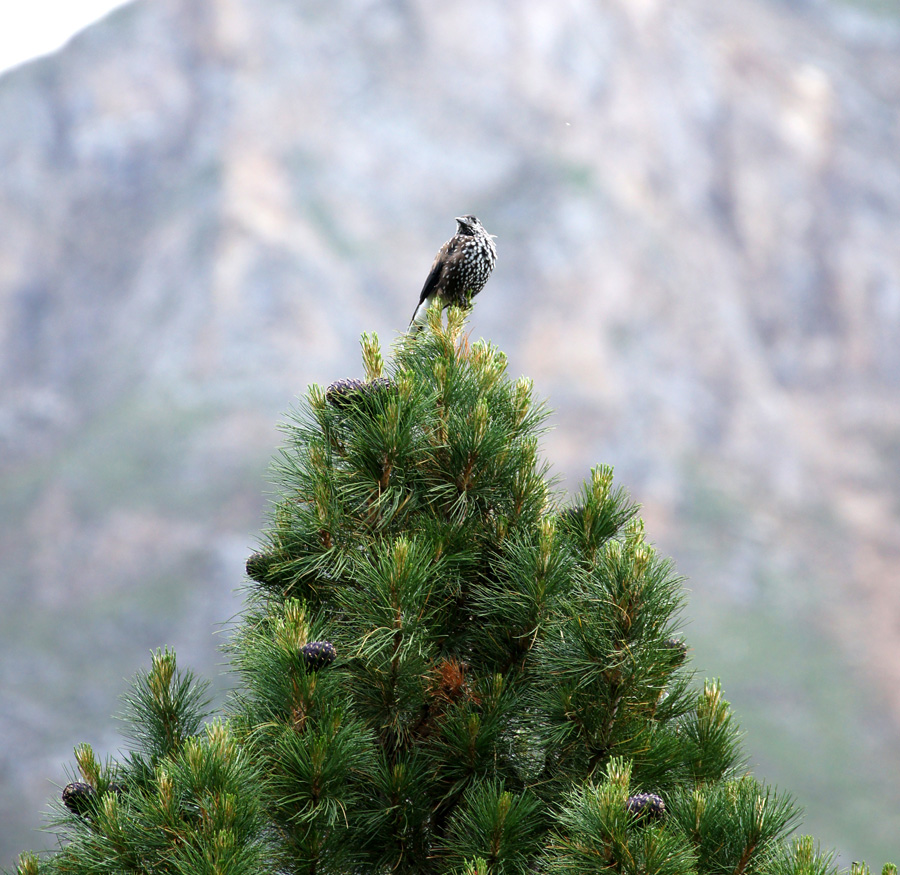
column 204, row 202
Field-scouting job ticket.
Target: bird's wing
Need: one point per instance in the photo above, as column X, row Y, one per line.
column 437, row 268
column 432, row 279
column 434, row 275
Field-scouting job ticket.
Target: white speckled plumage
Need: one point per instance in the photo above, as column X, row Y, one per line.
column 460, row 269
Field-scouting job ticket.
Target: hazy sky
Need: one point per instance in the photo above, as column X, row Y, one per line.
column 29, row 28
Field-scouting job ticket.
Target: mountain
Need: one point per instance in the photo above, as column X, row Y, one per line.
column 697, row 208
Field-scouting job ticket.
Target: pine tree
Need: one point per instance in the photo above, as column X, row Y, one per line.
column 442, row 670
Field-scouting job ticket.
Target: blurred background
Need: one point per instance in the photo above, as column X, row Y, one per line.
column 203, row 204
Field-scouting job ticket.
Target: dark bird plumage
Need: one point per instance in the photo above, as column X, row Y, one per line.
column 460, row 270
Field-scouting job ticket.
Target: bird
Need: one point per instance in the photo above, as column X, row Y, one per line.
column 460, row 269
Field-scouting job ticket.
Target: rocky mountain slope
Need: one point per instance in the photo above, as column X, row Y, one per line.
column 204, row 202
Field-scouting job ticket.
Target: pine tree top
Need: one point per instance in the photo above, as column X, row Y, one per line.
column 443, row 669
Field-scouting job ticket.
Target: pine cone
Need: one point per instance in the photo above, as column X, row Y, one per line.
column 678, row 648
column 318, row 654
column 645, row 805
column 78, row 797
column 572, row 515
column 342, row 394
column 381, row 384
column 258, row 567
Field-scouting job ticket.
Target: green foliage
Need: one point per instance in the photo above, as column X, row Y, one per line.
column 608, row 680
column 802, row 858
column 597, row 835
column 185, row 800
column 164, row 707
column 504, row 829
column 735, row 826
column 494, row 652
column 710, row 742
column 863, row 869
column 509, row 690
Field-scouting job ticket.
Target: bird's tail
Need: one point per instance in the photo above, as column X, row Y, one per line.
column 420, row 317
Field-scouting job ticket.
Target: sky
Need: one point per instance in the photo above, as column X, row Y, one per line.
column 30, row 28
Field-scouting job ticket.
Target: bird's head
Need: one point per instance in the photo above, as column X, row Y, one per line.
column 469, row 225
